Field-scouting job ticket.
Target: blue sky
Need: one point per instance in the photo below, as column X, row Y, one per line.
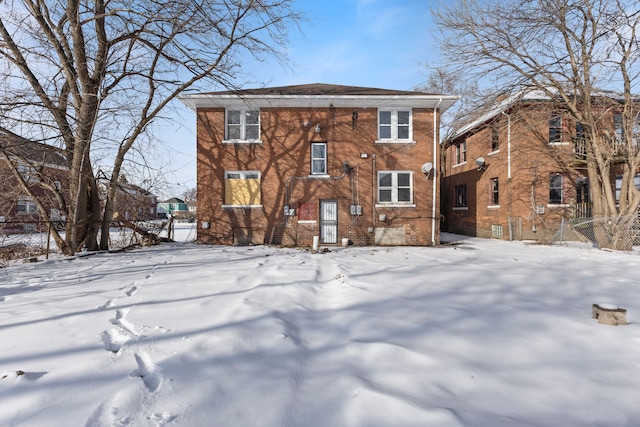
column 371, row 43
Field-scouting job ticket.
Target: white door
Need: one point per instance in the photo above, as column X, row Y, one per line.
column 329, row 221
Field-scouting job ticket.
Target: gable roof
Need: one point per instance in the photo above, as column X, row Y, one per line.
column 318, row 95
column 173, row 200
column 35, row 153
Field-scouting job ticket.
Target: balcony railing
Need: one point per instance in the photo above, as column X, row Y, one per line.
column 616, row 149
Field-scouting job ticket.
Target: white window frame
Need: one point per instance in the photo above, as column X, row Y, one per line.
column 394, row 125
column 494, row 191
column 28, row 172
column 563, row 195
column 461, row 152
column 324, row 159
column 556, row 127
column 460, row 201
column 244, row 112
column 494, row 145
column 26, row 205
column 394, row 187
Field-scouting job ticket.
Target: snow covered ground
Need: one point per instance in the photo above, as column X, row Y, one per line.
column 477, row 333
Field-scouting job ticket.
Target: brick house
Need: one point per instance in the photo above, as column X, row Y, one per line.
column 133, row 202
column 44, row 169
column 517, row 171
column 282, row 165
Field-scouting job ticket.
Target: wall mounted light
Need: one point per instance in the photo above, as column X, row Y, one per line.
column 317, row 129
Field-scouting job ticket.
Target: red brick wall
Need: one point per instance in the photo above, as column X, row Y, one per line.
column 533, row 160
column 10, row 190
column 283, row 159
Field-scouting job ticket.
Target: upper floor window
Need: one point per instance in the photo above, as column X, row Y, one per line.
column 318, row 158
column 26, row 205
column 556, row 189
column 243, row 126
column 394, row 125
column 395, row 187
column 495, row 191
column 620, row 133
column 242, row 188
column 27, row 172
column 618, row 128
column 495, row 138
column 460, row 196
column 461, row 152
column 555, row 129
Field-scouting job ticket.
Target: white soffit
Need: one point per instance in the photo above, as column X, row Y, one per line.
column 197, row 101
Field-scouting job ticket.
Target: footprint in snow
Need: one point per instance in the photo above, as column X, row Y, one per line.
column 147, row 371
column 121, row 321
column 113, row 340
column 106, row 305
column 132, row 291
column 22, row 375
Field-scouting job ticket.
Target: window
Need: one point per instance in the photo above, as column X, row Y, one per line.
column 27, row 172
column 555, row 129
column 620, row 134
column 579, row 143
column 26, row 205
column 495, row 194
column 318, row 158
column 243, row 125
column 460, row 196
column 461, row 152
column 242, row 188
column 394, row 125
column 618, row 128
column 556, row 193
column 495, row 138
column 395, row 187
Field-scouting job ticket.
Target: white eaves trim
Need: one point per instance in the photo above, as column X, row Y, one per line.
column 196, row 101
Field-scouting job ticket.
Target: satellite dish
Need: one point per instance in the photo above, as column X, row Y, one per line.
column 481, row 163
column 427, row 167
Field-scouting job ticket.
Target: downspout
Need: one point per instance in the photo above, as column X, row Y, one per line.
column 509, row 175
column 436, row 175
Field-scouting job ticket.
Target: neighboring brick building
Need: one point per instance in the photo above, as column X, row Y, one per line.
column 44, row 170
column 134, row 203
column 282, row 165
column 517, row 171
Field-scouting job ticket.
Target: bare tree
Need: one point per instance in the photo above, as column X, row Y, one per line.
column 191, row 195
column 571, row 51
column 443, row 79
column 91, row 76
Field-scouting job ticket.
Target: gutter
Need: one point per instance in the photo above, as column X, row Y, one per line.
column 436, row 173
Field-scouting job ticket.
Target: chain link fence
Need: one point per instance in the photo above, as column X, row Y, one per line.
column 621, row 233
